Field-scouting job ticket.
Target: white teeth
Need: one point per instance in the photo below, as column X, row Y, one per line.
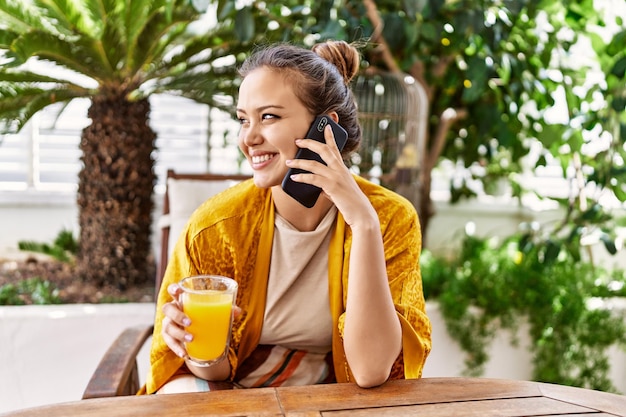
column 262, row 158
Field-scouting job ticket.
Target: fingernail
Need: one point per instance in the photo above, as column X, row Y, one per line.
column 288, row 161
column 188, row 337
column 186, row 322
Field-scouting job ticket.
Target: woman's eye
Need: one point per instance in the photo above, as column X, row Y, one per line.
column 268, row 116
column 242, row 120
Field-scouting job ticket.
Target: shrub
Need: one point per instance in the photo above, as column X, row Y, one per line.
column 491, row 285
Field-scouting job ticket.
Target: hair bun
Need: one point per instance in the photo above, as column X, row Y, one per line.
column 342, row 55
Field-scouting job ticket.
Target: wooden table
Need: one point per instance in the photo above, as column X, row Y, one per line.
column 430, row 397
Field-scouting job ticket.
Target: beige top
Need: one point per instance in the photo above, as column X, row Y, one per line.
column 297, row 311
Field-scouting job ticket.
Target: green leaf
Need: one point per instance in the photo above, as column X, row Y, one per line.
column 19, row 107
column 504, row 70
column 477, row 78
column 552, row 251
column 617, row 44
column 71, row 17
column 22, row 17
column 618, row 104
column 22, row 76
column 10, row 295
column 620, row 191
column 6, row 38
column 609, row 243
column 332, row 30
column 414, row 7
column 428, row 32
column 551, row 135
column 244, row 25
column 157, row 38
column 593, row 213
column 225, row 8
column 393, row 30
column 78, row 54
column 619, row 69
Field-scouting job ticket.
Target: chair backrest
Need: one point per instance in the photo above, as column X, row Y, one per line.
column 184, row 192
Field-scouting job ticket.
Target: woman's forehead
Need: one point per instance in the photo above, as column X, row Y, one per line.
column 265, row 85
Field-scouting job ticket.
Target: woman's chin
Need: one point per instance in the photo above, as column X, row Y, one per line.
column 263, row 181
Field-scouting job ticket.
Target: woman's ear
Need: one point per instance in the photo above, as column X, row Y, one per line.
column 333, row 115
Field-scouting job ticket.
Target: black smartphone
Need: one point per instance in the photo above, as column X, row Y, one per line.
column 307, row 194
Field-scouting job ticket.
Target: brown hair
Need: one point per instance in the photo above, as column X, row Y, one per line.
column 320, row 78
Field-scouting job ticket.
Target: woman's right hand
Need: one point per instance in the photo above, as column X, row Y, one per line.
column 174, row 323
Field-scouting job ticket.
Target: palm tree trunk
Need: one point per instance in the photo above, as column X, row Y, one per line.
column 115, row 193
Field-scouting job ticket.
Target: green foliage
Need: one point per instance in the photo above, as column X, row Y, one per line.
column 138, row 48
column 503, row 64
column 113, row 300
column 35, row 289
column 10, row 295
column 541, row 58
column 63, row 248
column 491, row 285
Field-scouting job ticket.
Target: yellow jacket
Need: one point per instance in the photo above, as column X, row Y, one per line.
column 231, row 234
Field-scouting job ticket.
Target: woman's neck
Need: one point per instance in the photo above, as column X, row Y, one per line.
column 300, row 217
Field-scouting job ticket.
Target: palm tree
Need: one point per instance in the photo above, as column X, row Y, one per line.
column 115, row 53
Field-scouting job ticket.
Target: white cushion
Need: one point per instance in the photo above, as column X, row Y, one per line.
column 184, row 196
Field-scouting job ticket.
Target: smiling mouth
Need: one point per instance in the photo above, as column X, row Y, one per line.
column 261, row 158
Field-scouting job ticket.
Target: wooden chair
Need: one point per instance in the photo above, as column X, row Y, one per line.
column 117, row 373
column 183, row 194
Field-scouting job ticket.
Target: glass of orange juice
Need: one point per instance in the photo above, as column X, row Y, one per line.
column 208, row 302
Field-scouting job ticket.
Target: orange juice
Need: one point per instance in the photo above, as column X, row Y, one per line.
column 210, row 314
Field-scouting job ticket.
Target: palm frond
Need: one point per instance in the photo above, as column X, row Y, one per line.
column 102, row 10
column 6, row 38
column 170, row 5
column 210, row 46
column 25, row 76
column 19, row 103
column 20, row 17
column 113, row 45
column 201, row 87
column 10, row 60
column 198, row 51
column 80, row 54
column 73, row 16
column 138, row 13
column 123, row 27
column 158, row 35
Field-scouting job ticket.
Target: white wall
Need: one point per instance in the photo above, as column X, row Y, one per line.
column 498, row 219
column 40, row 217
column 35, row 216
column 48, row 353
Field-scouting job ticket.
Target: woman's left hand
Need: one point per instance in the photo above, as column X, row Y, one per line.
column 334, row 178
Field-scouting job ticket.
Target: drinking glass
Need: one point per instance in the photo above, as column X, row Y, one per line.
column 208, row 302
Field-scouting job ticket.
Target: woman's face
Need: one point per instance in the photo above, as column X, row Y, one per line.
column 272, row 118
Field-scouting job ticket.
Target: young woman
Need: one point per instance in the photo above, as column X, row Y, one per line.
column 328, row 293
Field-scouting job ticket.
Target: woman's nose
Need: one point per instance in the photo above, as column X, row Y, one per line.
column 251, row 135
